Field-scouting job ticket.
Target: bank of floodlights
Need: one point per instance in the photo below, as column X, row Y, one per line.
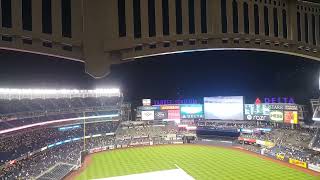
column 7, row 93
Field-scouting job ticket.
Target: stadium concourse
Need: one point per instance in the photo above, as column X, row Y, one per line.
column 46, row 134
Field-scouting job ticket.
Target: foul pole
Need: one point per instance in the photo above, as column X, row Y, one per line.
column 84, row 131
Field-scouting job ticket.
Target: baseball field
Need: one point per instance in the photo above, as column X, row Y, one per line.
column 200, row 162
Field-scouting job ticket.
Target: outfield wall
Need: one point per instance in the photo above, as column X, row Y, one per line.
column 296, row 162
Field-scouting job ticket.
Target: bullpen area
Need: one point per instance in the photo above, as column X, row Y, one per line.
column 197, row 161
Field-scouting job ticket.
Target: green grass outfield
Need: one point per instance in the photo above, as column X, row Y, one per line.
column 201, row 162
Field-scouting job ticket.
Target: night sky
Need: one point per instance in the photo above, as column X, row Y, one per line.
column 212, row 73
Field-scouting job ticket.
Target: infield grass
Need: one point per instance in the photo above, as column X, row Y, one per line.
column 201, row 162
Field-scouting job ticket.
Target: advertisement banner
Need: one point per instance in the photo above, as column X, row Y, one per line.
column 224, row 107
column 291, row 107
column 256, row 109
column 191, row 111
column 298, row 163
column 160, row 115
column 247, row 140
column 148, row 108
column 249, row 109
column 276, row 106
column 269, row 144
column 146, row 102
column 176, row 101
column 170, row 107
column 314, row 167
column 291, row 117
column 276, row 116
column 173, row 114
column 147, row 115
column 257, row 117
column 280, row 157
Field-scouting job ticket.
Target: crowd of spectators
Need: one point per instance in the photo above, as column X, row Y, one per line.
column 145, row 130
column 287, row 137
column 14, row 113
column 315, row 143
column 298, row 153
column 18, row 144
column 41, row 105
column 232, row 125
column 40, row 162
column 291, row 142
column 69, row 153
column 29, row 152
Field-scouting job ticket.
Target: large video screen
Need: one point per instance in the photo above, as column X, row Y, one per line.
column 191, row 111
column 223, row 107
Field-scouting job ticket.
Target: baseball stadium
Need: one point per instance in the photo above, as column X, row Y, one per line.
column 159, row 90
column 90, row 134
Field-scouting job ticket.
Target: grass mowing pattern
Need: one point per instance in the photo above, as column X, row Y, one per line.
column 201, row 162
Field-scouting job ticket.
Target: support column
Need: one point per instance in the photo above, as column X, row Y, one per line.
column 185, row 17
column 318, row 30
column 229, row 16
column 172, row 17
column 129, row 19
column 292, row 20
column 56, row 20
column 76, row 19
column 159, row 23
column 36, row 18
column 16, row 7
column 210, row 15
column 302, row 17
column 261, row 19
column 0, row 16
column 240, row 17
column 280, row 23
column 197, row 16
column 215, row 6
column 251, row 18
column 310, row 28
column 271, row 22
column 144, row 19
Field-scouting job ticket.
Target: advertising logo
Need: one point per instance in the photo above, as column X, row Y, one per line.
column 291, row 117
column 288, row 100
column 176, row 101
column 257, row 117
column 170, row 107
column 276, row 106
column 173, row 114
column 147, row 115
column 160, row 115
column 257, row 109
column 298, row 163
column 276, row 116
column 280, row 157
column 291, row 107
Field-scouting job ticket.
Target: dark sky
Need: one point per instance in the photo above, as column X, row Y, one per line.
column 196, row 74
